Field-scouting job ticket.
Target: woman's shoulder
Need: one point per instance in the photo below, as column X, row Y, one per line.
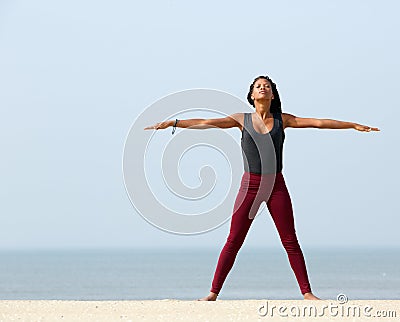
column 286, row 117
column 239, row 118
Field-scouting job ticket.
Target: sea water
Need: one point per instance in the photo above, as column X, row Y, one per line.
column 149, row 274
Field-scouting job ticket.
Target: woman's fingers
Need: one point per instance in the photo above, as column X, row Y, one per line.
column 157, row 126
column 369, row 129
column 365, row 128
column 152, row 127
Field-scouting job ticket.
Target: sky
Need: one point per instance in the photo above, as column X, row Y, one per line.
column 75, row 75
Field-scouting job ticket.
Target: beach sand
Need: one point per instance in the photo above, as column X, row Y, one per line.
column 221, row 310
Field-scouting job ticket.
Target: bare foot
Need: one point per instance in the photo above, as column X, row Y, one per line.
column 210, row 297
column 310, row 296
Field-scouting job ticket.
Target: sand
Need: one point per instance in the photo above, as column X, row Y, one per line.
column 221, row 310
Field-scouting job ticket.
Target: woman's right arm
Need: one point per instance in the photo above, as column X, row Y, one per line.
column 234, row 120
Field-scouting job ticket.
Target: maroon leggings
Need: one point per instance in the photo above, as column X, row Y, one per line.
column 254, row 189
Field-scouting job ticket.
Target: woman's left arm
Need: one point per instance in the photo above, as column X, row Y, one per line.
column 290, row 120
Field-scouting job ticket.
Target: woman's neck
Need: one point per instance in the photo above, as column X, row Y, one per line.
column 263, row 109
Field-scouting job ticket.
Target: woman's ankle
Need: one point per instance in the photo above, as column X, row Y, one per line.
column 310, row 296
column 210, row 297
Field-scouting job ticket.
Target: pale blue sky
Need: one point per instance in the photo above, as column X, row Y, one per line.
column 74, row 76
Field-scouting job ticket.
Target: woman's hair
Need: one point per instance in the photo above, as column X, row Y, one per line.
column 275, row 103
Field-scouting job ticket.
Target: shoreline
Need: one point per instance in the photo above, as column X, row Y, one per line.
column 181, row 310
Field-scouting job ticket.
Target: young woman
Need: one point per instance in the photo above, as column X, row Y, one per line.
column 265, row 125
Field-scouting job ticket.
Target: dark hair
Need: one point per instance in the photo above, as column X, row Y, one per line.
column 276, row 102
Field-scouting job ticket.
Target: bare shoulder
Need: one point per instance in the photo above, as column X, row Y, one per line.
column 290, row 120
column 287, row 119
column 239, row 118
column 286, row 116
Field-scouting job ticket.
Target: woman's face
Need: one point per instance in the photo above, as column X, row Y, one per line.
column 262, row 90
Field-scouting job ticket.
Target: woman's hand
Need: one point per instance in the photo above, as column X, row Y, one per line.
column 159, row 126
column 364, row 128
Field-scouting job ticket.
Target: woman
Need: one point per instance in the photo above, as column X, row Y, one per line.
column 260, row 128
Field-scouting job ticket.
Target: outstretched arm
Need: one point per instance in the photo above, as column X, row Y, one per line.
column 234, row 120
column 290, row 120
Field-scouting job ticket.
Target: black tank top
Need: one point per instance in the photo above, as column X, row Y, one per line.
column 262, row 153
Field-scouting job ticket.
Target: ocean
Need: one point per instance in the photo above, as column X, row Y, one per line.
column 258, row 273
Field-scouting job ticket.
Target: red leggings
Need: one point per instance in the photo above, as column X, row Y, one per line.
column 254, row 189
